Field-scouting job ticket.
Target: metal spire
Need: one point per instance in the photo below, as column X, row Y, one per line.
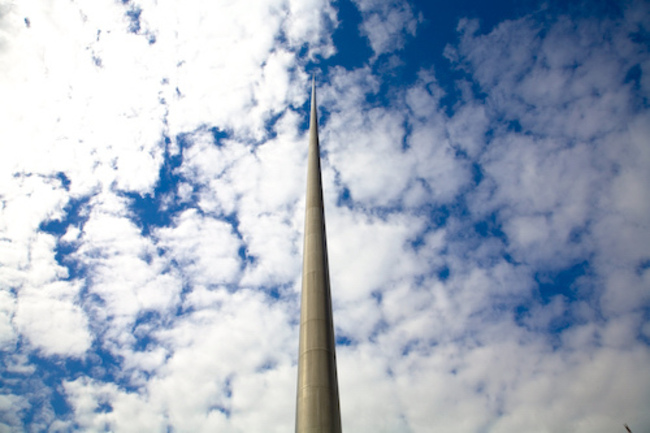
column 317, row 406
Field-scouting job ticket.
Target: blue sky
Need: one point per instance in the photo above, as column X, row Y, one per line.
column 486, row 172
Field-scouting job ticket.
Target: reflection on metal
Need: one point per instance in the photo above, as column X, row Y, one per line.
column 317, row 406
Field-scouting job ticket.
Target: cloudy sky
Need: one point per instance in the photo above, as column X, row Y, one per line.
column 487, row 180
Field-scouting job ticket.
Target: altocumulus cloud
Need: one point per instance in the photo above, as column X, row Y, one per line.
column 487, row 206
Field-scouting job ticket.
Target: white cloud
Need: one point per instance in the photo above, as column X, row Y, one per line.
column 98, row 407
column 312, row 23
column 10, row 407
column 388, row 257
column 7, row 335
column 386, row 158
column 546, row 192
column 242, row 344
column 205, row 248
column 262, row 186
column 226, row 84
column 51, row 320
column 127, row 279
column 387, row 24
column 25, row 255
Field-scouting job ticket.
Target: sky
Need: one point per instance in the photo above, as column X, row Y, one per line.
column 486, row 172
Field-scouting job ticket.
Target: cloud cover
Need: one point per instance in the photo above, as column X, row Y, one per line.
column 488, row 239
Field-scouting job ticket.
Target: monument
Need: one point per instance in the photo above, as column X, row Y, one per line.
column 317, row 405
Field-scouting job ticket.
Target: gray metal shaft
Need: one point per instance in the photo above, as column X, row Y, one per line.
column 317, row 406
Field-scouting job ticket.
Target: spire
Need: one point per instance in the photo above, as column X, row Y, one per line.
column 317, row 405
column 313, row 118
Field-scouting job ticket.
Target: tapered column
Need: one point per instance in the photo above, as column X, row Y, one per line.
column 317, row 407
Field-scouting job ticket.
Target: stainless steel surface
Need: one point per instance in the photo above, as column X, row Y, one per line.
column 317, row 406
